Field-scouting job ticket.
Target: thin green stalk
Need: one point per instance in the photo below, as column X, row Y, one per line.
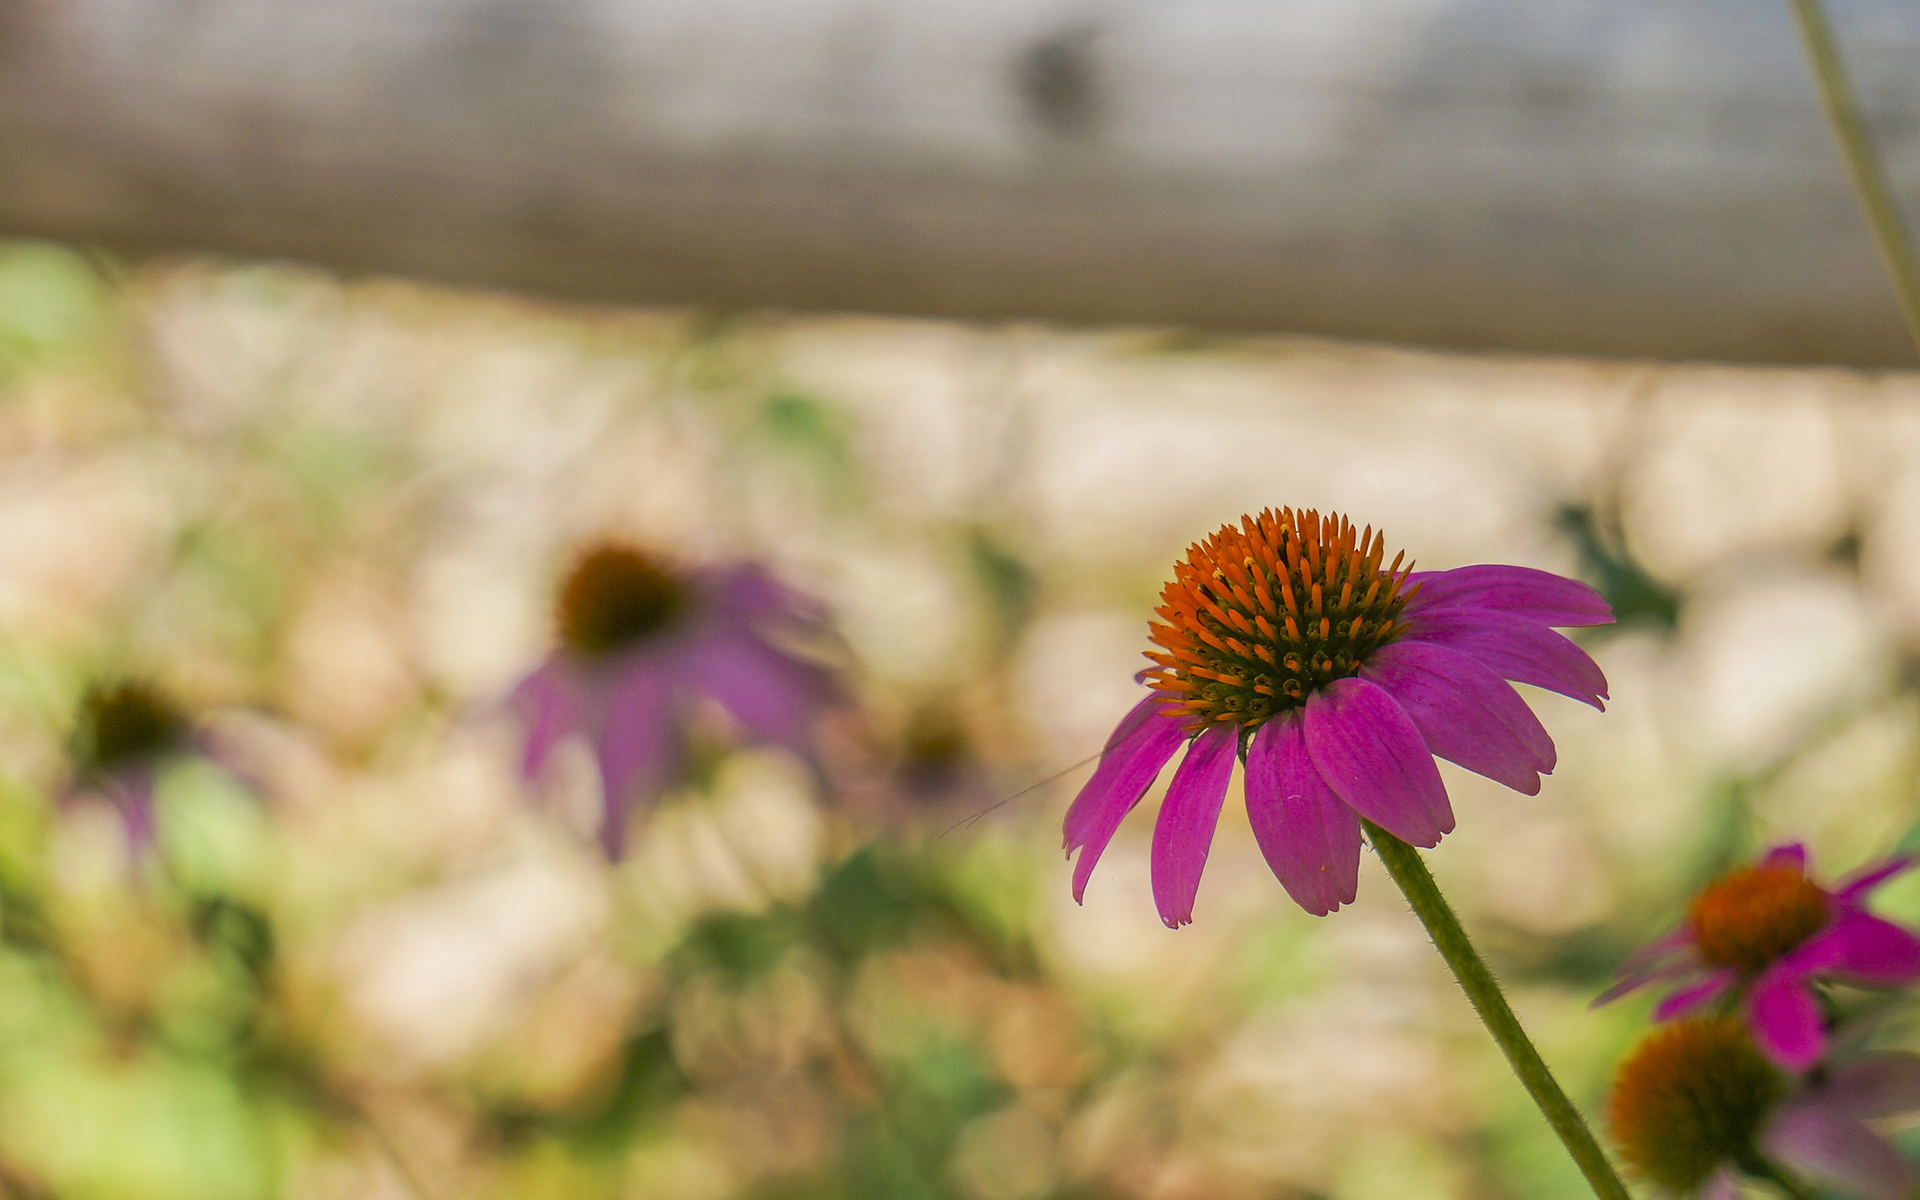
column 1403, row 862
column 1863, row 166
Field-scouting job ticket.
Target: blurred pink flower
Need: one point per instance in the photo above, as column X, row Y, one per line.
column 1286, row 644
column 639, row 643
column 1695, row 1105
column 1762, row 936
column 126, row 732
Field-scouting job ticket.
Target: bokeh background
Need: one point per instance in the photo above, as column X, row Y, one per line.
column 365, row 960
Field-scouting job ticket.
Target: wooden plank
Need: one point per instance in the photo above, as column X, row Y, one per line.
column 1616, row 177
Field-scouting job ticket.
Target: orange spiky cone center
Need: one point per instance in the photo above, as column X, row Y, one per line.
column 1753, row 917
column 1259, row 617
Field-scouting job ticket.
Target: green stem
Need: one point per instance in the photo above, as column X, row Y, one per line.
column 1403, row 862
column 1863, row 166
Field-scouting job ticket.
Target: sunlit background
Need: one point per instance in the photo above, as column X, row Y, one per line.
column 365, row 960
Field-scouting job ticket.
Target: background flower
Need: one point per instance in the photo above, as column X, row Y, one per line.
column 1763, row 937
column 640, row 644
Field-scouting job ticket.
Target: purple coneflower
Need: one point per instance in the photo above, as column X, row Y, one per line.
column 1696, row 1105
column 1762, row 936
column 639, row 643
column 125, row 733
column 1286, row 644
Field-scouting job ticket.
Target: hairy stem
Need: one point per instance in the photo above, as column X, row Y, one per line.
column 1863, row 166
column 1403, row 862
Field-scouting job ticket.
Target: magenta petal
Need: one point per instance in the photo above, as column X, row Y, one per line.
column 544, row 701
column 1673, row 941
column 1785, row 1020
column 1466, row 713
column 1309, row 838
column 1684, row 1001
column 773, row 694
column 1513, row 648
column 1184, row 833
column 635, row 746
column 1867, row 949
column 1539, row 596
column 1723, row 1184
column 1371, row 754
column 1640, row 979
column 1832, row 1148
column 131, row 790
column 1854, row 888
column 1874, row 1085
column 1126, row 771
column 1788, row 854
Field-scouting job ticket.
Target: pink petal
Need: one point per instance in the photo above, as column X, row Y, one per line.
column 1785, row 1020
column 773, row 694
column 1684, row 1001
column 1126, row 771
column 1723, row 1184
column 1309, row 838
column 1513, row 648
column 1865, row 948
column 1673, row 941
column 545, row 702
column 1854, row 888
column 1539, row 596
column 131, row 790
column 1466, row 713
column 636, row 746
column 1371, row 754
column 749, row 591
column 1791, row 854
column 1832, row 1148
column 1640, row 979
column 1184, row 833
column 1875, row 1085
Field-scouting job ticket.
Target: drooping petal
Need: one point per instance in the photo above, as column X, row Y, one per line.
column 1513, row 648
column 1723, row 1184
column 1466, row 713
column 1789, row 854
column 1834, row 1148
column 1785, row 1019
column 773, row 694
column 1309, row 838
column 1640, row 979
column 636, row 744
column 1371, row 754
column 1874, row 1085
column 1865, row 948
column 1539, row 596
column 546, row 704
column 750, row 591
column 1854, row 888
column 131, row 790
column 1673, row 941
column 1684, row 1001
column 1126, row 771
column 1184, row 833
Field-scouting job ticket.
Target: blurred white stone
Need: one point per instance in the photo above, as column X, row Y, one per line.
column 1734, row 462
column 433, row 974
column 1765, row 656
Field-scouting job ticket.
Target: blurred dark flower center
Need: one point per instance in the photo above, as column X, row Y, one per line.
column 1260, row 617
column 125, row 723
column 1689, row 1098
column 616, row 598
column 1753, row 917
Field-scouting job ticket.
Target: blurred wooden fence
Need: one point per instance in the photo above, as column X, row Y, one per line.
column 1622, row 177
